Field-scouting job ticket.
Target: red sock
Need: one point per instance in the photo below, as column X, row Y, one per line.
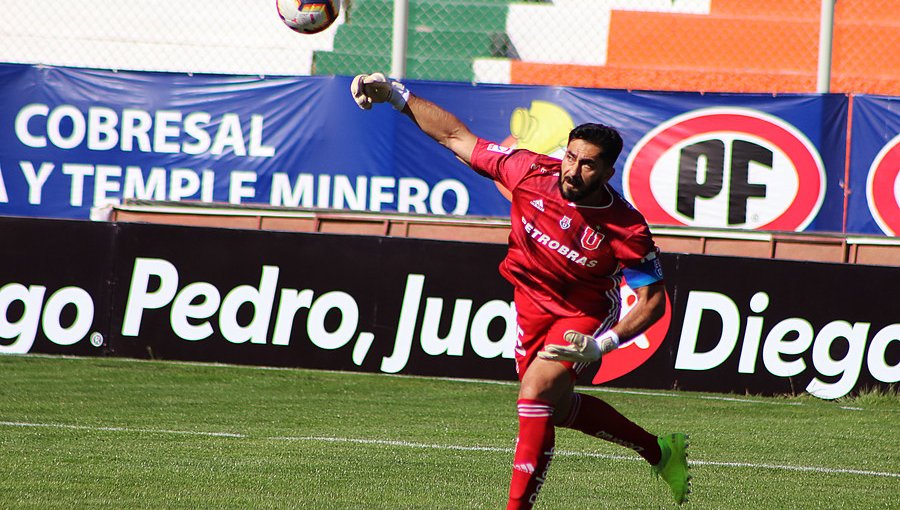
column 534, row 451
column 597, row 418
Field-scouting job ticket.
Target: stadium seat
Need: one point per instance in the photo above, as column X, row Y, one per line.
column 443, row 38
column 739, row 46
column 729, row 45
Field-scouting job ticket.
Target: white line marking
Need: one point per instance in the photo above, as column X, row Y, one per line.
column 120, row 429
column 811, row 469
column 386, row 442
column 409, row 444
column 693, row 462
column 750, row 401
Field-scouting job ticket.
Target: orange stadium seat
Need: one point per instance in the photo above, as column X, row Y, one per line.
column 867, row 47
column 740, row 46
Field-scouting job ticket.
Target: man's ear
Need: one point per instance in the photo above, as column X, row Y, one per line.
column 609, row 172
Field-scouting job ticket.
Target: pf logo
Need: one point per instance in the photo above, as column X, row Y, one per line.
column 726, row 167
column 633, row 354
column 883, row 188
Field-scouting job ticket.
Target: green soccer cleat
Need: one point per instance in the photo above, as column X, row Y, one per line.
column 673, row 466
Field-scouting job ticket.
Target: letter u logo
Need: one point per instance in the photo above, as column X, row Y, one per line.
column 591, row 239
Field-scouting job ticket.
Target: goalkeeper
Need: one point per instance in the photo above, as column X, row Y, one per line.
column 572, row 241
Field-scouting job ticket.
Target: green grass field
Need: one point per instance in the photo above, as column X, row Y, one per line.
column 113, row 433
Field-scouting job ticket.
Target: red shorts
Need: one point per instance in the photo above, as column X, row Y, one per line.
column 538, row 328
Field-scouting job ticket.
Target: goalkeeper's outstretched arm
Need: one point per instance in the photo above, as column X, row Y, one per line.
column 433, row 120
column 441, row 125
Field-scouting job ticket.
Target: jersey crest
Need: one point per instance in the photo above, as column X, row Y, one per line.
column 591, row 238
column 565, row 223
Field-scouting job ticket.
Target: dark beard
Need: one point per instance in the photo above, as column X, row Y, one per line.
column 576, row 193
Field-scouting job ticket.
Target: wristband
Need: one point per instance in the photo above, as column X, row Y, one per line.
column 399, row 95
column 610, row 334
column 607, row 341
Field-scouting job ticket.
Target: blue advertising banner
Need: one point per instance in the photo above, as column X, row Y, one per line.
column 705, row 160
column 82, row 138
column 874, row 202
column 79, row 138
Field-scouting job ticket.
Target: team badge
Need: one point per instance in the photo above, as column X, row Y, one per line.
column 565, row 222
column 591, row 238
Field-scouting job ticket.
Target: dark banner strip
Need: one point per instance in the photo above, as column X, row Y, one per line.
column 437, row 308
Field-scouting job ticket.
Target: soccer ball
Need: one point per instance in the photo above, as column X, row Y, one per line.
column 308, row 16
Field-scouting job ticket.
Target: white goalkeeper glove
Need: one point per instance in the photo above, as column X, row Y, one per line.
column 582, row 348
column 368, row 89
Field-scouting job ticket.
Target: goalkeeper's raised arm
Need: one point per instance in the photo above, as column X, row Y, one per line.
column 436, row 122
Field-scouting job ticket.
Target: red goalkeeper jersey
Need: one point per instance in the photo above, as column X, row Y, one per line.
column 567, row 259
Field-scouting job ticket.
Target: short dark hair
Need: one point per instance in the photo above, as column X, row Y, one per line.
column 601, row 135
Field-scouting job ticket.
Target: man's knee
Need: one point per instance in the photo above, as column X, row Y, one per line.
column 548, row 381
column 536, row 390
